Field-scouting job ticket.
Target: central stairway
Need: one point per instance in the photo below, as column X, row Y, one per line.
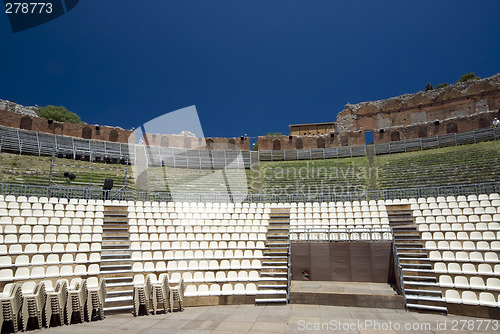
column 274, row 281
column 116, row 263
column 420, row 284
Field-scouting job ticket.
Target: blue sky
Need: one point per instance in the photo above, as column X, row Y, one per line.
column 249, row 67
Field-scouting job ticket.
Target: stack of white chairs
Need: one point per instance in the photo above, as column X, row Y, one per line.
column 177, row 295
column 160, row 291
column 11, row 301
column 143, row 294
column 57, row 297
column 34, row 303
column 96, row 296
column 77, row 300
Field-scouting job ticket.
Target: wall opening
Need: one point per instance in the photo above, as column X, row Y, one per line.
column 369, row 140
column 276, row 145
column 113, row 135
column 87, row 132
column 299, row 143
column 26, row 123
column 321, row 142
column 210, row 144
column 395, row 136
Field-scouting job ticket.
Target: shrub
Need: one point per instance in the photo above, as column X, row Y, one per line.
column 58, row 114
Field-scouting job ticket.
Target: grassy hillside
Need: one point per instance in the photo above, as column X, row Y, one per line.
column 467, row 164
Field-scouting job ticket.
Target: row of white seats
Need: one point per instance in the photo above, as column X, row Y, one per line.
column 50, row 221
column 198, row 222
column 219, row 276
column 201, row 210
column 471, row 298
column 466, row 268
column 461, row 256
column 476, row 283
column 341, row 236
column 40, row 260
column 49, row 238
column 463, row 245
column 458, row 219
column 27, row 273
column 50, row 206
column 454, row 205
column 197, row 229
column 52, row 200
column 339, row 209
column 50, row 248
column 473, row 235
column 212, row 245
column 196, row 236
column 456, row 227
column 195, row 265
column 49, row 213
column 228, row 216
column 73, row 229
column 462, row 198
column 198, row 254
column 215, row 290
column 468, row 213
column 339, row 215
column 342, row 222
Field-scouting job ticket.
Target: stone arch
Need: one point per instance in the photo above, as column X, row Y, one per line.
column 395, row 136
column 276, row 145
column 451, row 127
column 210, row 144
column 232, row 144
column 164, row 141
column 320, row 142
column 483, row 122
column 113, row 135
column 87, row 132
column 187, row 142
column 26, row 123
column 422, row 132
column 299, row 144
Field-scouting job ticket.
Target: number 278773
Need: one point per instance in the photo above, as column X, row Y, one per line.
column 28, row 8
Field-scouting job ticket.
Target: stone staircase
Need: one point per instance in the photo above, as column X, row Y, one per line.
column 116, row 263
column 420, row 283
column 274, row 281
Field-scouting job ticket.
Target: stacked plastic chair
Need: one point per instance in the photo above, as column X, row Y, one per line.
column 96, row 295
column 57, row 298
column 12, row 301
column 161, row 291
column 142, row 293
column 177, row 295
column 77, row 298
column 34, row 302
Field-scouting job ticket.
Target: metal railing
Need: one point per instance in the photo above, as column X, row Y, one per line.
column 38, row 143
column 333, row 234
column 132, row 195
column 401, row 146
column 399, row 270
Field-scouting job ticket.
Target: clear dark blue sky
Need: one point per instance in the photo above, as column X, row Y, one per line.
column 249, row 66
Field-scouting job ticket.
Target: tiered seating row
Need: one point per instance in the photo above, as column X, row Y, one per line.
column 463, row 237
